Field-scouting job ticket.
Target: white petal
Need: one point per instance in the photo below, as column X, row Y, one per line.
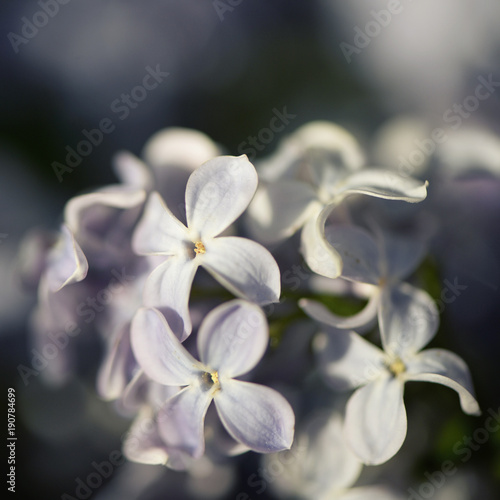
column 383, row 184
column 218, row 192
column 159, row 232
column 143, row 443
column 181, row 420
column 255, row 415
column 132, row 171
column 347, row 360
column 446, row 368
column 359, row 321
column 168, row 288
column 408, row 319
column 358, row 251
column 118, row 196
column 280, row 209
column 402, row 256
column 367, row 492
column 375, row 421
column 244, row 267
column 159, row 352
column 233, row 338
column 319, row 255
column 66, row 262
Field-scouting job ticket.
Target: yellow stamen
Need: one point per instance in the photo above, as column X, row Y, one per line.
column 215, row 377
column 397, row 367
column 199, row 247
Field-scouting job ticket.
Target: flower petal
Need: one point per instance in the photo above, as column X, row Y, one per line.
column 371, row 492
column 159, row 352
column 347, row 360
column 66, row 262
column 255, row 415
column 132, row 171
column 383, row 184
column 218, row 192
column 408, row 319
column 159, row 232
column 364, row 319
column 446, row 368
column 233, row 338
column 319, row 255
column 168, row 288
column 375, row 421
column 358, row 251
column 181, row 420
column 280, row 209
column 244, row 267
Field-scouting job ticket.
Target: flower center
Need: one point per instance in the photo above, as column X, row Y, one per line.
column 199, row 248
column 397, row 367
column 210, row 379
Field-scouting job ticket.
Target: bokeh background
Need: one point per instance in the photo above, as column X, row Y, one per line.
column 230, row 63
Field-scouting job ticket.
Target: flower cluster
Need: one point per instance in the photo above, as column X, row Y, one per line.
column 125, row 264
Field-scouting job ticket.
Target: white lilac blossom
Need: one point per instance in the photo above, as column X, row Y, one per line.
column 231, row 341
column 216, row 195
column 381, row 262
column 375, row 421
column 315, row 180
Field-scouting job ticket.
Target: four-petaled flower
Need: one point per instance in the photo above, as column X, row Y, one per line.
column 231, row 341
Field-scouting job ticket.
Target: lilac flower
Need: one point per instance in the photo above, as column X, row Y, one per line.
column 231, row 341
column 216, row 195
column 375, row 425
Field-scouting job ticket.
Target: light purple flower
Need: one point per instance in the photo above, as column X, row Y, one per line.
column 231, row 341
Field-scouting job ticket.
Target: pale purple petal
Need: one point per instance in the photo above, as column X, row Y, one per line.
column 159, row 352
column 255, row 415
column 375, row 420
column 383, row 184
column 244, row 267
column 233, row 338
column 408, row 319
column 369, row 492
column 347, row 360
column 402, row 256
column 218, row 192
column 116, row 196
column 168, row 288
column 319, row 255
column 66, row 262
column 280, row 209
column 445, row 368
column 358, row 251
column 361, row 320
column 159, row 232
column 132, row 171
column 181, row 420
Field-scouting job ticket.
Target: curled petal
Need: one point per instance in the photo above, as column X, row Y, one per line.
column 347, row 360
column 132, row 171
column 167, row 288
column 408, row 319
column 159, row 232
column 181, row 420
column 445, row 368
column 255, row 415
column 383, row 184
column 159, row 352
column 66, row 262
column 375, row 421
column 218, row 192
column 319, row 255
column 233, row 338
column 244, row 267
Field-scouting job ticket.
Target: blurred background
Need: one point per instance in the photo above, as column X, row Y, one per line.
column 390, row 72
